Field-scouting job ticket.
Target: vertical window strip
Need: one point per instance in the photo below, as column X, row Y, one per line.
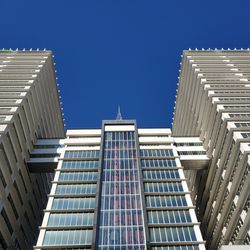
column 2, row 150
column 7, row 221
column 17, row 136
column 13, row 206
column 18, row 193
column 20, row 122
column 11, row 147
column 116, row 217
column 2, row 178
column 20, row 173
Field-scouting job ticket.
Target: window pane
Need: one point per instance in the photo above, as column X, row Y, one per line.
column 68, row 237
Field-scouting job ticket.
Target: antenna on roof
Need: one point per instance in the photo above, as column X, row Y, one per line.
column 119, row 115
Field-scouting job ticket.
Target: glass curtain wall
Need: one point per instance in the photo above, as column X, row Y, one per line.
column 71, row 217
column 121, row 224
column 168, row 215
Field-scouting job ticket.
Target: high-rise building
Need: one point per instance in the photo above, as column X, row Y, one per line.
column 29, row 109
column 120, row 187
column 213, row 102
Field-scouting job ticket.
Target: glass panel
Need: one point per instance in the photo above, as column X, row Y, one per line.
column 161, row 174
column 73, row 203
column 76, row 189
column 172, row 234
column 78, row 176
column 121, row 216
column 169, row 216
column 182, row 247
column 156, row 152
column 72, row 219
column 163, row 201
column 67, row 237
column 80, row 164
column 158, row 163
column 159, row 187
column 82, row 154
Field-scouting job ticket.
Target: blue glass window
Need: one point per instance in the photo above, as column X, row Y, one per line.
column 73, row 203
column 166, row 201
column 78, row 176
column 158, row 163
column 172, row 234
column 159, row 187
column 80, row 164
column 82, row 154
column 161, row 174
column 242, row 124
column 156, row 153
column 71, row 219
column 68, row 237
column 76, row 189
column 245, row 135
column 169, row 216
column 192, row 152
column 182, row 247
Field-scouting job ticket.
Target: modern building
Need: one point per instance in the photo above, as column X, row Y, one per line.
column 29, row 109
column 120, row 187
column 213, row 102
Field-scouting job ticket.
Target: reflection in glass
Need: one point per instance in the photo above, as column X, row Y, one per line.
column 121, row 217
column 71, row 219
column 172, row 234
column 67, row 237
column 73, row 203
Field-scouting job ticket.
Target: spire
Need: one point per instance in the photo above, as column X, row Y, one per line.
column 119, row 115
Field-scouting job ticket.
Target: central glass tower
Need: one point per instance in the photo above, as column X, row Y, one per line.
column 121, row 224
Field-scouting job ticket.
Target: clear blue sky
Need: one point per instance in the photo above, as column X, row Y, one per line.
column 126, row 53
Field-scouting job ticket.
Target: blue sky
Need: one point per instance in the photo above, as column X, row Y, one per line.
column 126, row 53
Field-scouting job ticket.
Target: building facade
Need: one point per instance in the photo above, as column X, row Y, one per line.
column 213, row 102
column 120, row 187
column 29, row 109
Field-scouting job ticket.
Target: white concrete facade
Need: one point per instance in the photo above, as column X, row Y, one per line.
column 213, row 102
column 29, row 109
